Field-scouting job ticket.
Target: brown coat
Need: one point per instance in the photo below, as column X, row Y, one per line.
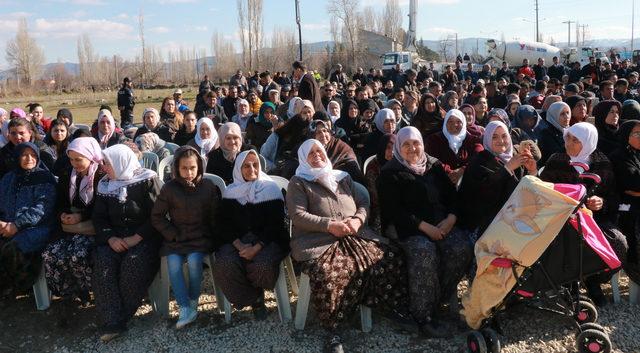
column 311, row 206
column 191, row 210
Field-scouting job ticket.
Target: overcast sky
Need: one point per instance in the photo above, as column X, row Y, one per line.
column 112, row 24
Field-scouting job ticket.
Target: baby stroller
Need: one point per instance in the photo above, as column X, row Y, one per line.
column 539, row 248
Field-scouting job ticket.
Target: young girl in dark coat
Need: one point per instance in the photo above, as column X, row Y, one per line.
column 191, row 202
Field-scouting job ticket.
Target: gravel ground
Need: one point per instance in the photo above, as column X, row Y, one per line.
column 526, row 330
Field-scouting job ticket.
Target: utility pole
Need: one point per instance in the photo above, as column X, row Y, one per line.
column 633, row 20
column 299, row 27
column 569, row 31
column 537, row 24
column 583, row 27
column 457, row 45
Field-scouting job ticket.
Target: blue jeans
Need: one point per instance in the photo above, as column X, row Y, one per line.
column 194, row 264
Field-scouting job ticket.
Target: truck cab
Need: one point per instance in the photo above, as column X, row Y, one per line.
column 402, row 58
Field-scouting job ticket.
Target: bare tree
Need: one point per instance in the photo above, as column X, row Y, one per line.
column 346, row 12
column 368, row 19
column 256, row 24
column 443, row 46
column 24, row 54
column 143, row 68
column 225, row 57
column 244, row 30
column 392, row 20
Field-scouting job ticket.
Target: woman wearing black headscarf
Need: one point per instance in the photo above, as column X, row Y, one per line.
column 578, row 106
column 607, row 114
column 626, row 167
column 430, row 117
column 27, row 203
column 384, row 153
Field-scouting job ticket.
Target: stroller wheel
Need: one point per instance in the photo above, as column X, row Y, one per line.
column 591, row 326
column 585, row 312
column 586, row 299
column 476, row 343
column 492, row 340
column 593, row 341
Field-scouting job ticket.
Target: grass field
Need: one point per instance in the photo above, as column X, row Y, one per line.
column 84, row 106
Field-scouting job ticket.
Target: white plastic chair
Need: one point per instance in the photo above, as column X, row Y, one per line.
column 150, row 160
column 172, row 147
column 304, row 294
column 41, row 292
column 164, row 163
column 366, row 163
column 283, row 183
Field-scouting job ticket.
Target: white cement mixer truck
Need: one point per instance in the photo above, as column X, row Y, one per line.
column 513, row 52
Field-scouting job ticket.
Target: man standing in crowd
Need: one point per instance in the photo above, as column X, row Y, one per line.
column 360, row 76
column 307, row 86
column 339, row 76
column 126, row 102
column 267, row 84
column 556, row 70
column 526, row 70
column 229, row 102
column 540, row 70
column 238, row 80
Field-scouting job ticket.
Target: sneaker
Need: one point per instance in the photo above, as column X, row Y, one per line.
column 187, row 316
column 433, row 330
column 335, row 345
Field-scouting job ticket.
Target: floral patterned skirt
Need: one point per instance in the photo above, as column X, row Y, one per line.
column 354, row 271
column 68, row 266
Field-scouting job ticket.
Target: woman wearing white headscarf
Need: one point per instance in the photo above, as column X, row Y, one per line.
column 126, row 254
column 550, row 134
column 107, row 135
column 291, row 111
column 452, row 146
column 385, row 122
column 220, row 160
column 348, row 263
column 581, row 152
column 252, row 239
column 418, row 201
column 206, row 137
column 151, row 123
column 491, row 177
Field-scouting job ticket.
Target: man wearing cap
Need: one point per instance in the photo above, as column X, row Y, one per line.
column 571, row 90
column 181, row 104
column 126, row 102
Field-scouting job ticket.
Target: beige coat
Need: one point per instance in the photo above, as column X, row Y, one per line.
column 311, row 206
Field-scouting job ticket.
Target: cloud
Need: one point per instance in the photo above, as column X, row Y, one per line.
column 88, row 2
column 9, row 25
column 441, row 30
column 79, row 13
column 159, row 30
column 122, row 16
column 18, row 14
column 441, row 2
column 196, row 28
column 315, row 26
column 65, row 28
column 163, row 2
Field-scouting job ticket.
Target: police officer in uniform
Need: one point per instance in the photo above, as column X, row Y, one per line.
column 126, row 103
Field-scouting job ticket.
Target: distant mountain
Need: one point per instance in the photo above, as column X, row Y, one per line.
column 72, row 68
column 465, row 45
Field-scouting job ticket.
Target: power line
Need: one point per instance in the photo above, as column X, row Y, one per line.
column 569, row 32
